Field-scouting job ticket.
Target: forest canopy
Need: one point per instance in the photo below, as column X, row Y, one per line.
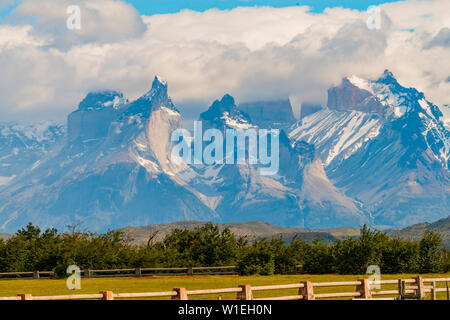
column 32, row 249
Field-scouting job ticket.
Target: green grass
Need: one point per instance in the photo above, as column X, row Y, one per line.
column 154, row 284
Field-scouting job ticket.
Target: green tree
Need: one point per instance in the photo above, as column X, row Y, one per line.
column 431, row 257
column 258, row 258
column 318, row 258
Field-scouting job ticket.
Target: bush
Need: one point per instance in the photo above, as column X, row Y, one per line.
column 431, row 257
column 257, row 259
column 318, row 258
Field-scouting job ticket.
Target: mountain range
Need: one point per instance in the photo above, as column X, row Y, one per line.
column 377, row 154
column 250, row 230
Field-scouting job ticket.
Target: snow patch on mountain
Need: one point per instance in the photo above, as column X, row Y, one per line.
column 337, row 134
column 445, row 109
column 236, row 123
column 23, row 145
column 5, row 180
column 37, row 132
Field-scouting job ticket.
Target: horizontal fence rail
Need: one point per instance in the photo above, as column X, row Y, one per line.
column 130, row 272
column 414, row 288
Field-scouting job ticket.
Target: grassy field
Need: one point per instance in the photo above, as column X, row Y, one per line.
column 153, row 284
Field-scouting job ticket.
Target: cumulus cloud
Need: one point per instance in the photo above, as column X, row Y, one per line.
column 251, row 53
column 442, row 39
column 101, row 21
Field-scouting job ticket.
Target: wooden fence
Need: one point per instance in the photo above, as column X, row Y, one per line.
column 133, row 272
column 414, row 288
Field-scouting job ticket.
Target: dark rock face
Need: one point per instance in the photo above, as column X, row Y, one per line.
column 308, row 109
column 85, row 125
column 347, row 96
column 94, row 115
column 270, row 114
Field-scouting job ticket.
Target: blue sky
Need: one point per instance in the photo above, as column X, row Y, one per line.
column 149, row 7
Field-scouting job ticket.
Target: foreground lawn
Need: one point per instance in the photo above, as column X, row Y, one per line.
column 153, row 284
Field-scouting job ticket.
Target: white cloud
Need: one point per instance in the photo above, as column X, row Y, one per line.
column 13, row 36
column 102, row 21
column 252, row 53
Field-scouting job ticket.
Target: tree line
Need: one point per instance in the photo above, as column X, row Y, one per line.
column 31, row 249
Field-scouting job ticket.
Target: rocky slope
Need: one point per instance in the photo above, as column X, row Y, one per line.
column 24, row 146
column 114, row 174
column 416, row 231
column 386, row 146
column 300, row 194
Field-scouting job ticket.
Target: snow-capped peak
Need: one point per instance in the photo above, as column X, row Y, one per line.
column 155, row 98
column 359, row 82
column 387, row 75
column 394, row 97
column 102, row 99
column 160, row 81
column 224, row 113
column 387, row 78
column 158, row 87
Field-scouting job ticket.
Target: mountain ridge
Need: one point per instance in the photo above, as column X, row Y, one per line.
column 378, row 155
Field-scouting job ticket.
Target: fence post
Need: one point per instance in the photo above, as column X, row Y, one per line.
column 433, row 290
column 448, row 292
column 400, row 289
column 307, row 291
column 246, row 293
column 181, row 294
column 25, row 296
column 364, row 289
column 420, row 288
column 87, row 273
column 107, row 295
column 36, row 275
column 138, row 272
column 190, row 271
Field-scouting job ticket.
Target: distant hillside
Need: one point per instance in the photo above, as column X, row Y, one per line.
column 4, row 236
column 259, row 229
column 253, row 230
column 415, row 232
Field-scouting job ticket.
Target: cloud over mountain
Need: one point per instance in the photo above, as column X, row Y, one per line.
column 253, row 53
